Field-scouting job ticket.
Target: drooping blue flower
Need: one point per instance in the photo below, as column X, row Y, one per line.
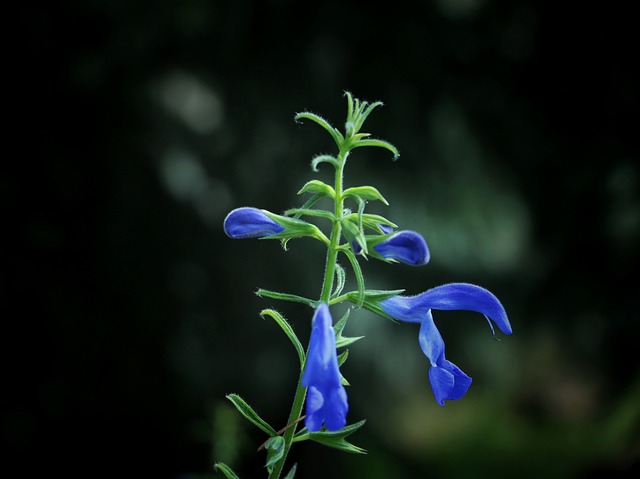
column 447, row 380
column 247, row 222
column 407, row 247
column 326, row 396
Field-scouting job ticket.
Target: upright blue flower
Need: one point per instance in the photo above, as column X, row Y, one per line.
column 326, row 396
column 249, row 222
column 447, row 380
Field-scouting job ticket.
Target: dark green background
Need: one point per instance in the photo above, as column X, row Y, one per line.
column 136, row 126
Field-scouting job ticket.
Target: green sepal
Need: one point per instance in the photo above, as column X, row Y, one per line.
column 341, row 360
column 371, row 300
column 248, row 412
column 342, row 357
column 367, row 193
column 295, row 228
column 335, row 134
column 288, row 330
column 352, row 232
column 275, row 451
column 371, row 221
column 342, row 341
column 324, row 159
column 226, row 470
column 335, row 439
column 292, row 472
column 318, row 187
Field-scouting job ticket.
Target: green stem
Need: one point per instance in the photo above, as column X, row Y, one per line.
column 327, row 287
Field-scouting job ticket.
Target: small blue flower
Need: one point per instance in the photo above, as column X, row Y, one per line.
column 249, row 222
column 447, row 380
column 326, row 396
column 407, row 247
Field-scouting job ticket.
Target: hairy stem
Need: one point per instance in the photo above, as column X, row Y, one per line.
column 327, row 287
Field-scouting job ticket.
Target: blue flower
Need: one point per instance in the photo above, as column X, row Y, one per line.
column 249, row 222
column 447, row 380
column 326, row 396
column 407, row 247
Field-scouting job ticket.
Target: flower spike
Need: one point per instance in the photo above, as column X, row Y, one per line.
column 327, row 398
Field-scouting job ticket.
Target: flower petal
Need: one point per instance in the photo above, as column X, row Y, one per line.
column 462, row 381
column 462, row 296
column 442, row 383
column 250, row 222
column 431, row 341
column 335, row 416
column 407, row 247
column 404, row 308
column 448, row 382
column 327, row 398
column 315, row 401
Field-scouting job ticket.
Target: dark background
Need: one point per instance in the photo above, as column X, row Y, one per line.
column 138, row 125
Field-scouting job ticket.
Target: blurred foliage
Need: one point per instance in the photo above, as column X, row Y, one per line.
column 131, row 315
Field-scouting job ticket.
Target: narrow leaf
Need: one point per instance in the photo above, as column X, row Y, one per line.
column 288, row 330
column 378, row 143
column 248, row 412
column 359, row 277
column 265, row 293
column 341, row 278
column 324, row 159
column 226, row 470
column 292, row 472
column 337, row 136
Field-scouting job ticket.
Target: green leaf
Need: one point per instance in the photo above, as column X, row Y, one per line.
column 335, row 439
column 288, row 330
column 318, row 187
column 226, row 470
column 359, row 277
column 368, row 193
column 341, row 278
column 265, row 293
column 335, row 134
column 248, row 412
column 292, row 472
column 311, row 212
column 324, row 159
column 378, row 143
column 275, row 451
